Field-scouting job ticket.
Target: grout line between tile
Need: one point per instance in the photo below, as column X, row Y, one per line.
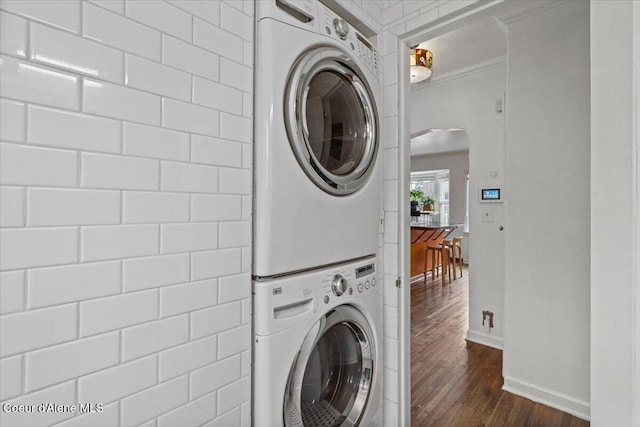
column 78, row 313
column 26, row 123
column 23, row 363
column 27, row 46
column 159, row 304
column 25, row 206
column 122, row 276
column 79, row 245
column 121, row 342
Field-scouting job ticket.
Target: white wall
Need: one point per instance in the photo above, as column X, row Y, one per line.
column 546, row 355
column 458, row 165
column 468, row 102
column 126, row 180
column 615, row 206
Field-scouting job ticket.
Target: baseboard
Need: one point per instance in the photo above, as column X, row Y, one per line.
column 484, row 339
column 568, row 404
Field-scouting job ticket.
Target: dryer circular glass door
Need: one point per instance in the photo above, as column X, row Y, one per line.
column 331, row 120
column 331, row 378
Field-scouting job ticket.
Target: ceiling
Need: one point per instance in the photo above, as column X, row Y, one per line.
column 467, row 47
column 454, row 52
column 432, row 141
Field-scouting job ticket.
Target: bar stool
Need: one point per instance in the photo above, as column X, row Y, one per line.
column 456, row 254
column 440, row 256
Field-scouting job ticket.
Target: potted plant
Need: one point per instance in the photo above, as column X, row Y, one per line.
column 417, row 195
column 429, row 203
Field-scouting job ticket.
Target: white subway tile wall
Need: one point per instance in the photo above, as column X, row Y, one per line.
column 12, row 208
column 42, row 85
column 204, row 409
column 154, row 401
column 76, row 54
column 12, row 292
column 125, row 196
column 63, row 394
column 125, row 379
column 12, row 117
column 11, row 372
column 14, row 42
column 108, row 418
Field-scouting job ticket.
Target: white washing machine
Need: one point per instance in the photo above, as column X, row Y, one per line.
column 317, row 180
column 318, row 348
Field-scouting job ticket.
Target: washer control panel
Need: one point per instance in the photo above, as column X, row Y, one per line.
column 354, row 281
column 342, row 28
column 365, row 277
column 337, row 27
column 339, row 285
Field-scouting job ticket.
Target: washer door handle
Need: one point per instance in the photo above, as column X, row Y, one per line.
column 294, row 309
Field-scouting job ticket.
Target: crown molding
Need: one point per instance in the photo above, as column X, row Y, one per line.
column 522, row 9
column 460, row 73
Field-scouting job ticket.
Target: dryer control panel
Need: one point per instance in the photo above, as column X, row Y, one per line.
column 338, row 28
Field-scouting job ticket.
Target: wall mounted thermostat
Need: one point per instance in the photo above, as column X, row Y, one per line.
column 491, row 194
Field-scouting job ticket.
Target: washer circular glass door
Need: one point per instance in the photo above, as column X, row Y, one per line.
column 331, row 378
column 331, row 120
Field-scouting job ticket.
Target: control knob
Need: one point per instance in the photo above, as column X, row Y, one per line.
column 339, row 285
column 342, row 28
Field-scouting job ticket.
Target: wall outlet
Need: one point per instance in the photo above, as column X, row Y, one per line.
column 487, row 315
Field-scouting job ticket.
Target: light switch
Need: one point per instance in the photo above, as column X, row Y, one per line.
column 487, row 214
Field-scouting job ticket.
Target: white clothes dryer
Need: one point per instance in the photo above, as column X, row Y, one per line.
column 318, row 348
column 318, row 186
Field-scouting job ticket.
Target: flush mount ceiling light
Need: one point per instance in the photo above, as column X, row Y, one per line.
column 421, row 62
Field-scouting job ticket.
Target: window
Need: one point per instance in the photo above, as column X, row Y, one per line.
column 434, row 184
column 443, row 196
column 426, row 184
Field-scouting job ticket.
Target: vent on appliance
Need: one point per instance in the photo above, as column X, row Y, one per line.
column 290, row 7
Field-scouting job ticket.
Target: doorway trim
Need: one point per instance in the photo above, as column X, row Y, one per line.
column 459, row 19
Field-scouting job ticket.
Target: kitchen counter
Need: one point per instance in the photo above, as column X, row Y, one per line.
column 436, row 225
column 423, row 234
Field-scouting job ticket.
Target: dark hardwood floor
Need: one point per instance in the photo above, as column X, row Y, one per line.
column 456, row 383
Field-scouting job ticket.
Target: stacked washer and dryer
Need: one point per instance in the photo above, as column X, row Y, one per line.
column 317, row 306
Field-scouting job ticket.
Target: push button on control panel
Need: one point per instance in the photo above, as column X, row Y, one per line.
column 367, row 285
column 360, row 287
